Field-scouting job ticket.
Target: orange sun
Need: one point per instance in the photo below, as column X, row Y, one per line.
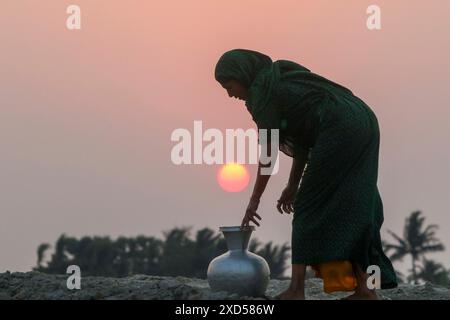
column 233, row 177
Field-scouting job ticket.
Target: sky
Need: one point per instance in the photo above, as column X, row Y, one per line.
column 86, row 115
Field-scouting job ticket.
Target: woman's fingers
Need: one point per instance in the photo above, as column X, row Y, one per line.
column 250, row 216
column 289, row 207
column 244, row 222
column 254, row 221
column 279, row 207
column 285, row 206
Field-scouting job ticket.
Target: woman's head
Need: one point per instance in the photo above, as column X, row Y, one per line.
column 237, row 68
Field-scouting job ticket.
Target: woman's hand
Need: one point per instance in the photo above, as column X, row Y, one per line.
column 286, row 201
column 250, row 213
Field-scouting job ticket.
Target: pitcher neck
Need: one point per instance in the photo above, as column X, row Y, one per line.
column 237, row 238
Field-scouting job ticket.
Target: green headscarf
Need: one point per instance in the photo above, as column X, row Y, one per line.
column 257, row 72
column 242, row 65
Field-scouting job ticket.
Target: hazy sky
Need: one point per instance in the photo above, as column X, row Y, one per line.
column 86, row 115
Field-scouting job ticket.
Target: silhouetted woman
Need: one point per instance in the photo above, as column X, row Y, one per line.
column 333, row 138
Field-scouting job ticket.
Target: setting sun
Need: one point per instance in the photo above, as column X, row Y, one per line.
column 233, row 177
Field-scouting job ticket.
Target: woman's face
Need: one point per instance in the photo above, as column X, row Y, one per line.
column 235, row 89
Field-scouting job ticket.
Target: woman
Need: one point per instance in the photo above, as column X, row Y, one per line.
column 333, row 138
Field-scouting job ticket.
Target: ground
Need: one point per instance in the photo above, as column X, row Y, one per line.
column 35, row 285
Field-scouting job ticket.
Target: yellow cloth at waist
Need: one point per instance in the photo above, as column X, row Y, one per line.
column 336, row 275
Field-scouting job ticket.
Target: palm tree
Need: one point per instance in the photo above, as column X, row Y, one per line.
column 418, row 240
column 122, row 260
column 41, row 253
column 205, row 249
column 276, row 257
column 148, row 255
column 59, row 260
column 254, row 245
column 434, row 272
column 178, row 253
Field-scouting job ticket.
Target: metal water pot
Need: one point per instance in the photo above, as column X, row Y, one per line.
column 239, row 270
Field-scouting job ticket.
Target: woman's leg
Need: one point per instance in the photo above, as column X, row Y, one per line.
column 296, row 290
column 362, row 292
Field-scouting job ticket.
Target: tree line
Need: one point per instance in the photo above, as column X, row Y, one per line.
column 179, row 254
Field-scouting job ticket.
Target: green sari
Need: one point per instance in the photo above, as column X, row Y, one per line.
column 338, row 211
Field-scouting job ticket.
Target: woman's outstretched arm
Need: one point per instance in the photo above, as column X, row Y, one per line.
column 258, row 190
column 260, row 183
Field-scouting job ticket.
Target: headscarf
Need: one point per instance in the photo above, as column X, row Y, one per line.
column 256, row 71
column 242, row 65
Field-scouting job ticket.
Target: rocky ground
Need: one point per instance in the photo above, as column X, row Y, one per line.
column 35, row 285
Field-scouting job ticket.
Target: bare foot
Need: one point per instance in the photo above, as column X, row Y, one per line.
column 290, row 294
column 362, row 296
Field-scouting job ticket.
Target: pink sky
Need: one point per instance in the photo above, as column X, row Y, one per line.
column 86, row 116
